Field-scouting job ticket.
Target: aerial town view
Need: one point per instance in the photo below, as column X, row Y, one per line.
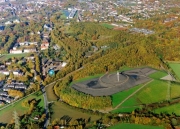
column 89, row 64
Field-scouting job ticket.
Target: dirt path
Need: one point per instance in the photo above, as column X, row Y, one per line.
column 132, row 94
column 111, row 109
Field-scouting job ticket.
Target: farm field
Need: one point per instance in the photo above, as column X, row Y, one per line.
column 6, row 114
column 176, row 68
column 169, row 109
column 60, row 109
column 134, row 126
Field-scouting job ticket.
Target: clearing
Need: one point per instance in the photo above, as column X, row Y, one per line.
column 60, row 109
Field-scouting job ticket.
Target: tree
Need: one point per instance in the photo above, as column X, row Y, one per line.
column 16, row 120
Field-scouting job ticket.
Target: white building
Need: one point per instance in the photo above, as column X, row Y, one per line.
column 16, row 51
column 28, row 50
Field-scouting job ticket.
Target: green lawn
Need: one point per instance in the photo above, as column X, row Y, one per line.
column 157, row 91
column 154, row 92
column 6, row 114
column 134, row 126
column 120, row 96
column 169, row 109
column 108, row 26
column 158, row 75
column 7, row 56
column 176, row 68
column 60, row 109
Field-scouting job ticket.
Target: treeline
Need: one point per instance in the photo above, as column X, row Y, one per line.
column 78, row 99
column 123, row 49
column 34, row 118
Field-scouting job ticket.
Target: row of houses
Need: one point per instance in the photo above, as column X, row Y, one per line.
column 4, row 96
column 7, row 72
column 26, row 50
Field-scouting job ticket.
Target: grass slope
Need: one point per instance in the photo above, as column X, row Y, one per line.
column 176, row 68
column 59, row 110
column 134, row 126
column 158, row 75
column 120, row 96
column 169, row 109
column 157, row 91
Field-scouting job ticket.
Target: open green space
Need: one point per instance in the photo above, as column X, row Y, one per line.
column 176, row 68
column 120, row 96
column 107, row 26
column 158, row 75
column 7, row 56
column 6, row 115
column 156, row 91
column 169, row 109
column 126, row 109
column 60, row 109
column 134, row 126
column 50, row 93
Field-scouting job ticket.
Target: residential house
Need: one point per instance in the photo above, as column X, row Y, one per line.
column 2, row 28
column 16, row 21
column 28, row 50
column 16, row 51
column 5, row 72
column 8, row 23
column 3, row 93
column 18, row 73
column 44, row 45
column 1, row 83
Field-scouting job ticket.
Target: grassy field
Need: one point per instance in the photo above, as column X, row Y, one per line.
column 108, row 26
column 169, row 109
column 6, row 114
column 120, row 96
column 157, row 91
column 134, row 126
column 154, row 92
column 176, row 68
column 158, row 75
column 50, row 93
column 7, row 56
column 60, row 109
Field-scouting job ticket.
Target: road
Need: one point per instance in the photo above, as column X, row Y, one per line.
column 44, row 95
column 46, row 122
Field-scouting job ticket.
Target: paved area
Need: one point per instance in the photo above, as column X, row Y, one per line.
column 109, row 84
